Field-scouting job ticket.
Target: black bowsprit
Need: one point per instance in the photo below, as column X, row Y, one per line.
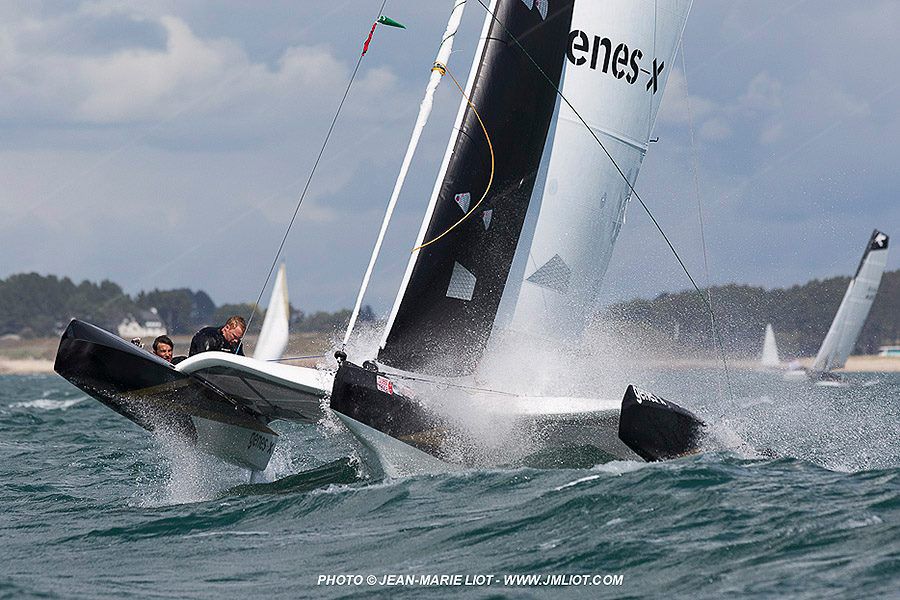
column 656, row 429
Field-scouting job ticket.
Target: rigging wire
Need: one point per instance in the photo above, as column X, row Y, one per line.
column 695, row 167
column 444, row 70
column 450, row 384
column 287, row 358
column 627, row 182
column 311, row 173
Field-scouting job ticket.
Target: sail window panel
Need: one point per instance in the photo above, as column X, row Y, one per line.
column 462, row 283
column 464, row 201
column 555, row 275
column 486, row 217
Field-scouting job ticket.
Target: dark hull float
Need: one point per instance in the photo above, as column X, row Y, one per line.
column 217, row 401
column 643, row 425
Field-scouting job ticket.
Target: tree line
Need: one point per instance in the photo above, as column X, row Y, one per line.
column 800, row 316
column 34, row 305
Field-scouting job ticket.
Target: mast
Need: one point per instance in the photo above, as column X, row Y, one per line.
column 443, row 56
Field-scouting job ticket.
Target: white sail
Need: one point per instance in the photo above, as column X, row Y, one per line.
column 769, row 357
column 619, row 56
column 851, row 314
column 273, row 338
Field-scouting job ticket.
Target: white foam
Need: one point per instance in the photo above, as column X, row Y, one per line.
column 225, row 534
column 615, row 468
column 47, row 404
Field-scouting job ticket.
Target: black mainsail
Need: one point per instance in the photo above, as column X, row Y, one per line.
column 443, row 318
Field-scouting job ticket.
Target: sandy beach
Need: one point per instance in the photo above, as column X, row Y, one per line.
column 25, row 366
column 35, row 356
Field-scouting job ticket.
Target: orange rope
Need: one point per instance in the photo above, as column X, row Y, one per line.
column 443, row 69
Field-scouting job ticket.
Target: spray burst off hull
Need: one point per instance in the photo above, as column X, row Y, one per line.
column 407, row 434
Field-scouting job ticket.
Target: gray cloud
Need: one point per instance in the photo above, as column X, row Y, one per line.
column 166, row 145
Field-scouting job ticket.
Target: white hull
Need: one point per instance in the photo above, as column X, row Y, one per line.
column 529, row 424
column 236, row 445
column 837, row 384
column 393, row 457
column 293, row 392
column 795, row 375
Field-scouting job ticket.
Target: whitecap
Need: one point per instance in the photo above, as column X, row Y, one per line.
column 576, row 482
column 615, row 467
column 47, row 404
column 859, row 523
column 203, row 534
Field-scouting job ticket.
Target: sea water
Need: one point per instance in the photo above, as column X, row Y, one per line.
column 95, row 507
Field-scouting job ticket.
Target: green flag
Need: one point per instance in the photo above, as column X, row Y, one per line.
column 390, row 22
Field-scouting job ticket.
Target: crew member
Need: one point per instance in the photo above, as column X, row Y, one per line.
column 162, row 347
column 226, row 338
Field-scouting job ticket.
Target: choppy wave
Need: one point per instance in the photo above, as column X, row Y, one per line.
column 119, row 512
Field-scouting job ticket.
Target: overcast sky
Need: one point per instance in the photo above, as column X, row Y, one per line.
column 165, row 144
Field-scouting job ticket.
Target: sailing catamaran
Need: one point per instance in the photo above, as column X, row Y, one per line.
column 556, row 117
column 850, row 317
column 852, row 312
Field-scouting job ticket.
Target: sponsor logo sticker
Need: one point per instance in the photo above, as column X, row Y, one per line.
column 384, row 384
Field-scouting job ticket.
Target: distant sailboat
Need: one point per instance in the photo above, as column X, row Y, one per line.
column 851, row 314
column 853, row 311
column 769, row 357
column 273, row 337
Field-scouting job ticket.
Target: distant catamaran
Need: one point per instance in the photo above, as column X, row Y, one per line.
column 853, row 310
column 769, row 357
column 851, row 314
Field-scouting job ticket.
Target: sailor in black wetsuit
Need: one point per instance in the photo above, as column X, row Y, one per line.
column 226, row 338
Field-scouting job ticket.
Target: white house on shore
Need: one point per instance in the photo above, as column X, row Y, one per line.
column 145, row 324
